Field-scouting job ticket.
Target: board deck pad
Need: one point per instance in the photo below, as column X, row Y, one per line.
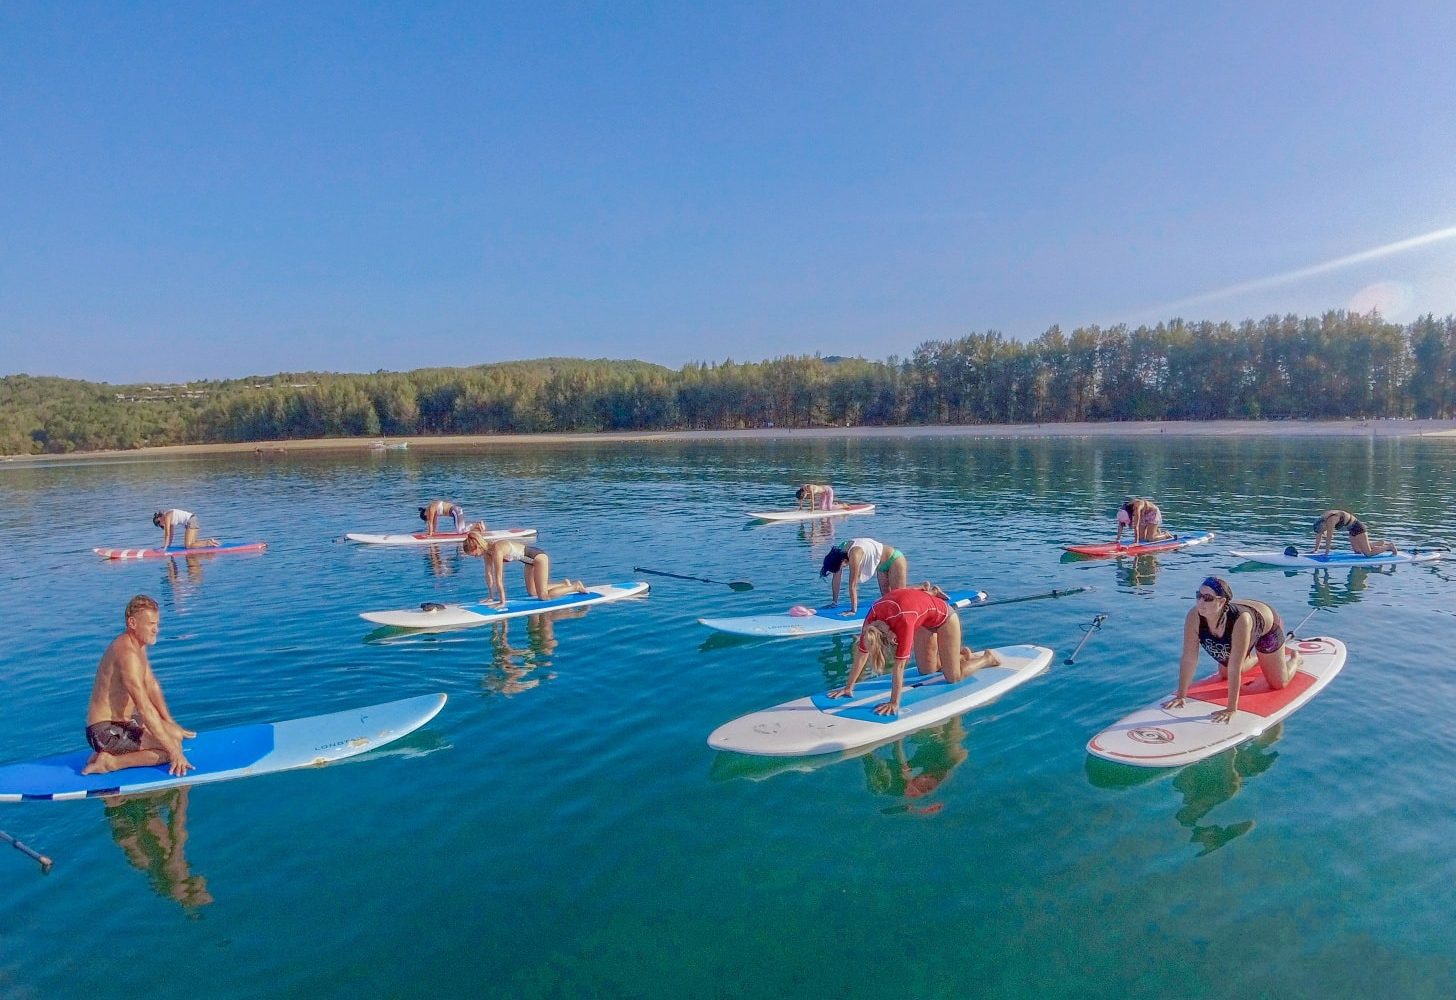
column 1341, row 558
column 225, row 548
column 438, row 538
column 481, row 613
column 818, row 724
column 838, row 510
column 1172, row 737
column 824, row 621
column 235, row 752
column 1107, row 549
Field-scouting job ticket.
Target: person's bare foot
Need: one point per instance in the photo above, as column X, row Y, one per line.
column 99, row 763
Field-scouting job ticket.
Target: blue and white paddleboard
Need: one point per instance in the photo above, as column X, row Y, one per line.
column 221, row 754
column 481, row 613
column 1342, row 558
column 820, row 724
column 825, row 621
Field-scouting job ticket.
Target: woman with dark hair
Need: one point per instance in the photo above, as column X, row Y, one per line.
column 867, row 560
column 1238, row 635
column 1145, row 519
column 814, row 496
column 919, row 620
column 436, row 509
column 1330, row 521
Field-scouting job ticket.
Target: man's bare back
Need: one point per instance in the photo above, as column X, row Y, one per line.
column 127, row 721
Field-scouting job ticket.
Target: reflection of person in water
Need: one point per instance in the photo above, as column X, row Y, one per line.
column 934, row 754
column 182, row 587
column 511, row 669
column 156, row 846
column 820, row 530
column 1323, row 593
column 1138, row 571
column 440, row 565
column 1214, row 781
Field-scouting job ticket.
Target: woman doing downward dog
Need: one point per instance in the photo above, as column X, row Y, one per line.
column 535, row 564
column 867, row 560
column 1236, row 635
column 917, row 619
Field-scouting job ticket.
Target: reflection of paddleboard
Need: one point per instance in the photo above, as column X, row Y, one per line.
column 181, row 550
column 825, row 621
column 479, row 613
column 437, row 538
column 820, row 724
column 1342, row 558
column 838, row 510
column 236, row 752
column 1106, row 549
column 1171, row 737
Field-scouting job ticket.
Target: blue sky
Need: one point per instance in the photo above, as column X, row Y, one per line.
column 209, row 191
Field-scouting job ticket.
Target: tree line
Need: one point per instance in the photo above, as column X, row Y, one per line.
column 1336, row 365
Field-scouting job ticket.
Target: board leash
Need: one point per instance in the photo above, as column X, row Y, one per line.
column 736, row 585
column 1292, row 632
column 40, row 859
column 1028, row 597
column 1095, row 625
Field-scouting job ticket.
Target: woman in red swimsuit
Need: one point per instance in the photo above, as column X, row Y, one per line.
column 917, row 619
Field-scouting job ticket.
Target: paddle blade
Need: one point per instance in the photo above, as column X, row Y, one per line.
column 740, row 585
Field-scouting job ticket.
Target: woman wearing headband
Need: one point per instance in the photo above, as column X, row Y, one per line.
column 917, row 619
column 1241, row 633
column 535, row 564
column 867, row 560
column 1330, row 521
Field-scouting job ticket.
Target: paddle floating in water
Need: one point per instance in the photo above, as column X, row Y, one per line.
column 1095, row 625
column 40, row 859
column 738, row 585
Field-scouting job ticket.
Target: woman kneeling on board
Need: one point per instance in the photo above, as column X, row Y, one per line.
column 868, row 560
column 1245, row 633
column 814, row 496
column 1331, row 520
column 535, row 564
column 1145, row 519
column 919, row 619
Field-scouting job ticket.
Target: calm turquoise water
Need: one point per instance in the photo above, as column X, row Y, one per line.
column 561, row 829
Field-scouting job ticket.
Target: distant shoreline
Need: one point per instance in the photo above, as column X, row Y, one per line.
column 1375, row 428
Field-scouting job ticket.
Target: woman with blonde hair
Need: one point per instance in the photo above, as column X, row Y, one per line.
column 919, row 620
column 535, row 565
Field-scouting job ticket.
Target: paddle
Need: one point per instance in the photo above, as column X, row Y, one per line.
column 44, row 862
column 1029, row 597
column 1095, row 625
column 738, row 585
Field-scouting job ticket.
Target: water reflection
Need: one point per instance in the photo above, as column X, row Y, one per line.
column 156, row 845
column 440, row 563
column 1139, row 571
column 914, row 768
column 512, row 670
column 184, row 580
column 814, row 532
column 1327, row 591
column 1204, row 786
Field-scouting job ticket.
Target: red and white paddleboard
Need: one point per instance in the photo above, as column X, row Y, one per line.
column 838, row 510
column 438, row 538
column 182, row 550
column 1171, row 737
column 1105, row 550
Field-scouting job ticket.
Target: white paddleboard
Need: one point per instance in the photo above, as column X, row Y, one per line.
column 237, row 752
column 820, row 724
column 1341, row 558
column 1171, row 737
column 824, row 621
column 480, row 613
column 438, row 538
column 838, row 510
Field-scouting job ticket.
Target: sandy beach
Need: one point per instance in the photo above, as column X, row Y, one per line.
column 1378, row 428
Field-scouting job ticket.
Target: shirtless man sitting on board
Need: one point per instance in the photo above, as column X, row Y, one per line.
column 127, row 722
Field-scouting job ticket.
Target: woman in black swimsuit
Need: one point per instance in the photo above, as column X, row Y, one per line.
column 1331, row 521
column 1245, row 633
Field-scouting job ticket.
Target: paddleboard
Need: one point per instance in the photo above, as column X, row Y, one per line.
column 820, row 724
column 824, row 621
column 181, row 550
column 437, row 538
column 1107, row 549
column 479, row 613
column 1342, row 558
column 1172, row 737
column 838, row 510
column 236, row 752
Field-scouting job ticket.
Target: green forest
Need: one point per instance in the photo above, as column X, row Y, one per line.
column 1337, row 365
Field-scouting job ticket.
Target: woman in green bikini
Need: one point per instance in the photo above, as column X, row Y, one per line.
column 867, row 560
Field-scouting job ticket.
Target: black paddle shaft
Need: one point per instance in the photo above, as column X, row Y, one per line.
column 735, row 584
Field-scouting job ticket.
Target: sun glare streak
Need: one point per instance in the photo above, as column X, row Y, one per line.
column 1288, row 277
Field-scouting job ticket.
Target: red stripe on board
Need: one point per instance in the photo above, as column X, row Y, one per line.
column 1255, row 695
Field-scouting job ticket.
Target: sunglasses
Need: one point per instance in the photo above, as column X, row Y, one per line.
column 1207, row 597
